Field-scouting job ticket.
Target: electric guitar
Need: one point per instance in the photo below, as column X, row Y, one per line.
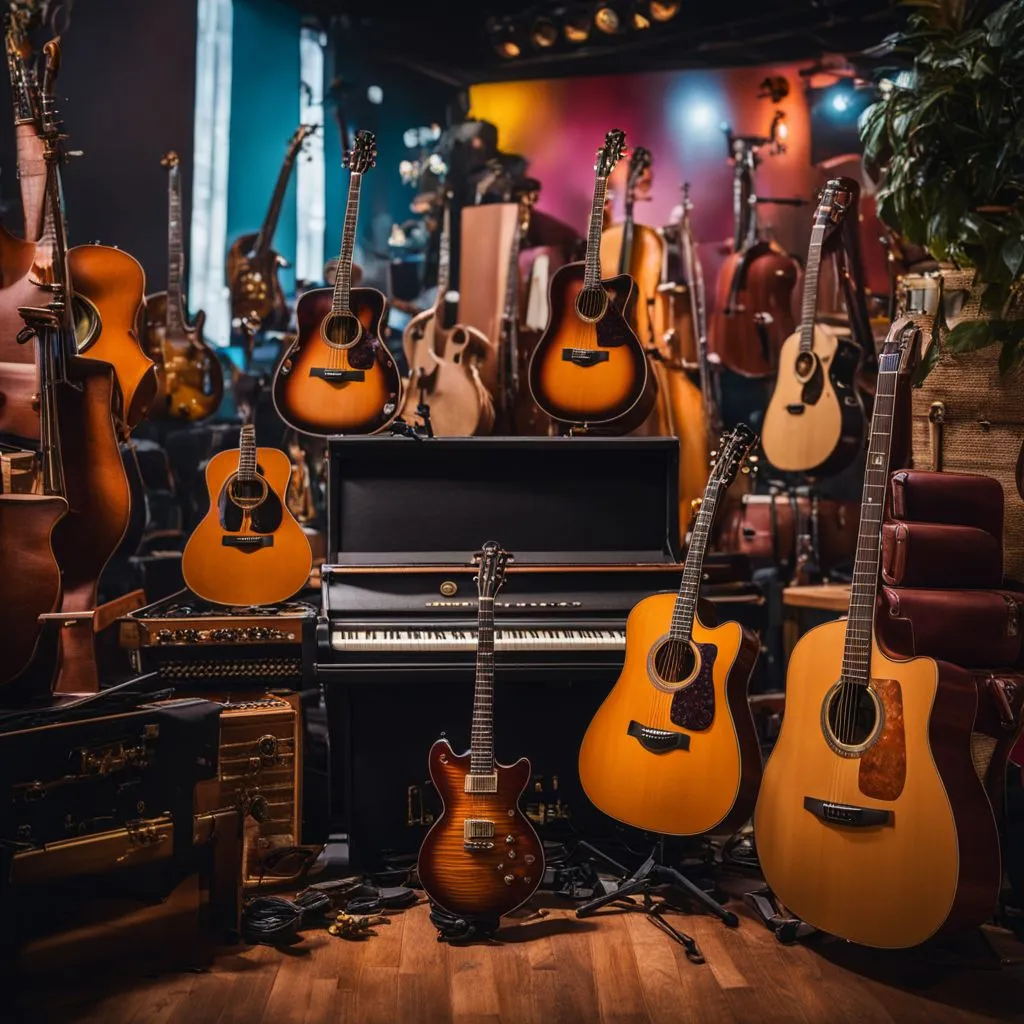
column 338, row 376
column 589, row 368
column 191, row 382
column 482, row 856
column 872, row 822
column 248, row 549
column 815, row 420
column 673, row 749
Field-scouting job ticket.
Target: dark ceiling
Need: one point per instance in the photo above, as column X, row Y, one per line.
column 450, row 39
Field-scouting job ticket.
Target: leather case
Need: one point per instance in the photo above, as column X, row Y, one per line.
column 940, row 555
column 971, row 628
column 961, row 499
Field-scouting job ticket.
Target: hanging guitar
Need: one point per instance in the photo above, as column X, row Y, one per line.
column 481, row 857
column 815, row 420
column 673, row 748
column 338, row 376
column 252, row 261
column 589, row 369
column 248, row 549
column 872, row 822
column 191, row 381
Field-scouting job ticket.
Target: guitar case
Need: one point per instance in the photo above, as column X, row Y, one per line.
column 959, row 499
column 940, row 555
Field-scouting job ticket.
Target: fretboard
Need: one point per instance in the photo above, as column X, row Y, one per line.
column 444, row 256
column 864, row 588
column 247, row 453
column 627, row 239
column 592, row 273
column 481, row 760
column 175, row 305
column 810, row 300
column 343, row 277
column 265, row 237
column 693, row 569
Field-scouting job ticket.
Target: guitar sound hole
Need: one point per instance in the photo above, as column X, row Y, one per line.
column 674, row 661
column 341, row 329
column 591, row 303
column 853, row 715
column 247, row 494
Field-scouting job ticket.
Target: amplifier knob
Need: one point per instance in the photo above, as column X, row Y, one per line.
column 267, row 745
column 259, row 808
column 449, row 588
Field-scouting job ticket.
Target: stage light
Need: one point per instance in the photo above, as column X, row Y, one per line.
column 576, row 26
column 608, row 19
column 640, row 20
column 504, row 38
column 701, row 115
column 544, row 33
column 840, row 102
column 375, row 94
column 664, row 10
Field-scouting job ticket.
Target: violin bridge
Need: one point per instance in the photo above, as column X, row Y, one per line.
column 482, row 783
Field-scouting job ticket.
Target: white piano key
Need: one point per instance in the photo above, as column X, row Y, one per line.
column 465, row 640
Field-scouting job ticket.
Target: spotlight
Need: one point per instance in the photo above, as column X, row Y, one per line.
column 576, row 26
column 375, row 94
column 608, row 19
column 840, row 102
column 701, row 115
column 664, row 10
column 504, row 38
column 544, row 33
column 641, row 16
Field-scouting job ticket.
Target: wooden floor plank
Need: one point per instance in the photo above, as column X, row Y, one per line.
column 424, row 989
column 619, row 992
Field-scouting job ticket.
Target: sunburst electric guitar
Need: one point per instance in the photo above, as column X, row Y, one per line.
column 872, row 822
column 248, row 550
column 672, row 749
column 482, row 856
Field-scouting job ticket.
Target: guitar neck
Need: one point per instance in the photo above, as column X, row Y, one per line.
column 627, row 238
column 592, row 273
column 685, row 608
column 343, row 277
column 247, row 453
column 444, row 256
column 175, row 253
column 265, row 237
column 481, row 760
column 810, row 299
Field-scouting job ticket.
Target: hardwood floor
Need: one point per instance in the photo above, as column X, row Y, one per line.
column 614, row 968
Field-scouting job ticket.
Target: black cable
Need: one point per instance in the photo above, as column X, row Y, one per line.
column 275, row 920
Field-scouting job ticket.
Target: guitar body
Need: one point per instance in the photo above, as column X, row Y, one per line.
column 190, row 381
column 254, row 284
column 312, row 403
column 687, row 421
column 591, row 373
column 30, row 584
column 700, row 771
column 647, row 254
column 815, row 425
column 474, row 881
column 935, row 864
column 113, row 283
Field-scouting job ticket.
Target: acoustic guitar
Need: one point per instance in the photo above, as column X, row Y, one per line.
column 673, row 749
column 872, row 822
column 252, row 261
column 189, row 375
column 589, row 369
column 248, row 549
column 338, row 376
column 482, row 856
column 815, row 419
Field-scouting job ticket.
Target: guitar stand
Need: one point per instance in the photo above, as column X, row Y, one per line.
column 453, row 928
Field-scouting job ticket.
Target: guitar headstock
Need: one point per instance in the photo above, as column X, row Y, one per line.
column 298, row 139
column 639, row 165
column 734, row 456
column 610, row 153
column 900, row 347
column 835, row 200
column 490, row 575
column 169, row 160
column 51, row 68
column 363, row 154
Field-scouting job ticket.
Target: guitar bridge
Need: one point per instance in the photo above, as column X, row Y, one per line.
column 333, row 376
column 847, row 814
column 482, row 783
column 658, row 741
column 584, row 356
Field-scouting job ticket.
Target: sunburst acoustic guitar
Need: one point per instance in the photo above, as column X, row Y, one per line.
column 673, row 749
column 481, row 857
column 248, row 549
column 589, row 368
column 872, row 822
column 338, row 376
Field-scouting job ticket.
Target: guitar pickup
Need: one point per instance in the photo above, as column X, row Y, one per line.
column 477, row 828
column 658, row 741
column 584, row 356
column 248, row 542
column 797, row 409
column 333, row 376
column 847, row 814
column 482, row 783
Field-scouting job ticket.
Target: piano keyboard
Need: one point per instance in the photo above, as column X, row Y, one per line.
column 465, row 640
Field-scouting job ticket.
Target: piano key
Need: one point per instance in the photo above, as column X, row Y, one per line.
column 465, row 640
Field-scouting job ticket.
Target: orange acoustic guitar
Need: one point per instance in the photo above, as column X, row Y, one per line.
column 589, row 369
column 248, row 549
column 338, row 376
column 482, row 856
column 673, row 748
column 872, row 822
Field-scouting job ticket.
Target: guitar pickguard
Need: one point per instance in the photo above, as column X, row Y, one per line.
column 693, row 706
column 883, row 766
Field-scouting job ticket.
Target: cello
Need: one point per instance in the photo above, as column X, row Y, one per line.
column 753, row 310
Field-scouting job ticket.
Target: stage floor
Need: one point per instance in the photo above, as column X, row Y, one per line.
column 554, row 969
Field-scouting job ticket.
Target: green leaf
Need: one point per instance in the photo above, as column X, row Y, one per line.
column 926, row 364
column 971, row 335
column 1009, row 356
column 1012, row 254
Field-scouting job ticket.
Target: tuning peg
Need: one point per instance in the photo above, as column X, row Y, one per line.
column 753, row 459
column 714, row 454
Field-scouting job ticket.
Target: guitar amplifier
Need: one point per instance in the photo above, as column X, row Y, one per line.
column 192, row 643
column 260, row 775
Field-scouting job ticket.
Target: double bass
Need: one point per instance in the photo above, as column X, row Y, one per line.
column 753, row 314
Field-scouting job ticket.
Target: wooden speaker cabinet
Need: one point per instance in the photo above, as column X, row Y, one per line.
column 260, row 774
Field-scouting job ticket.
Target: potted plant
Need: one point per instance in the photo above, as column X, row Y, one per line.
column 948, row 136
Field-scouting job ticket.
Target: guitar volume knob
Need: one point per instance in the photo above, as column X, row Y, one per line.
column 509, row 879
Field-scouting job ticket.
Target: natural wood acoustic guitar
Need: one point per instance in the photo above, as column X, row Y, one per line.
column 248, row 549
column 815, row 419
column 673, row 749
column 338, row 376
column 872, row 822
column 482, row 856
column 589, row 368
